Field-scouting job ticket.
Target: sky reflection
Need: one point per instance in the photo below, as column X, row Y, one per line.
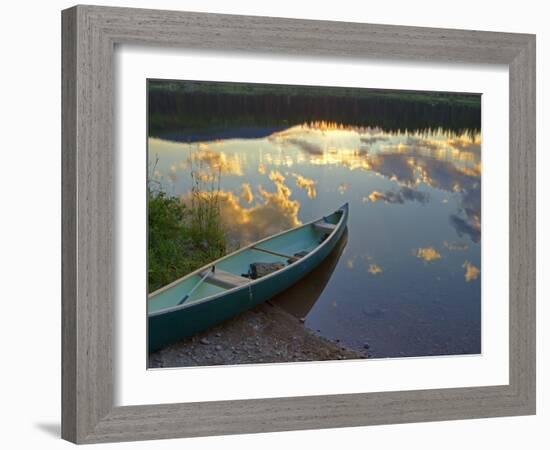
column 414, row 226
column 412, row 161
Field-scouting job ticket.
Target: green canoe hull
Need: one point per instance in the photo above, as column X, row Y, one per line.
column 167, row 327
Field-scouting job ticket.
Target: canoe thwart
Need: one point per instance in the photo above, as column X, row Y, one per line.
column 324, row 226
column 224, row 279
column 271, row 252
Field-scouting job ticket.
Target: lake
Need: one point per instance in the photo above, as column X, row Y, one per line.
column 406, row 279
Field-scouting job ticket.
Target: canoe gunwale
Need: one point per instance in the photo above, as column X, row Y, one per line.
column 341, row 222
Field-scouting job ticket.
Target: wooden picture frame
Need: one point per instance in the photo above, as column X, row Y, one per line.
column 90, row 34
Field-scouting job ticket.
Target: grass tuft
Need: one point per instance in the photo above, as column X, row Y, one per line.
column 183, row 236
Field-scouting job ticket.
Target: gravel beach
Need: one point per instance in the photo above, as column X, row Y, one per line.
column 264, row 334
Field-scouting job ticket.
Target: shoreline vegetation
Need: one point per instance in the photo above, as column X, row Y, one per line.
column 189, row 106
column 253, row 89
column 183, row 234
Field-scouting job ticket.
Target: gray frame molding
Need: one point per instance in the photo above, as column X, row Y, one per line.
column 89, row 37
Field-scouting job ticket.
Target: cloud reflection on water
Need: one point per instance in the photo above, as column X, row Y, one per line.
column 246, row 193
column 274, row 212
column 306, row 183
column 401, row 196
column 472, row 272
column 217, row 160
column 374, row 269
column 433, row 158
column 428, row 254
column 438, row 159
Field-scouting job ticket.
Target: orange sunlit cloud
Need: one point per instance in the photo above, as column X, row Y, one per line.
column 273, row 214
column 216, row 161
column 472, row 272
column 307, row 184
column 375, row 269
column 246, row 193
column 276, row 176
column 427, row 254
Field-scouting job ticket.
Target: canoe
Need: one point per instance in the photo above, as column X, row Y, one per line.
column 225, row 287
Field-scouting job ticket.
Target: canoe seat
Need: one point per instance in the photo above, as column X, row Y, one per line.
column 297, row 256
column 224, row 279
column 324, row 226
column 261, row 269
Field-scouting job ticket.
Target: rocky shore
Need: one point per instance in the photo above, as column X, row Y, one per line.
column 264, row 334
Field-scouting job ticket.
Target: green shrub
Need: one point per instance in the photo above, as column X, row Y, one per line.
column 181, row 238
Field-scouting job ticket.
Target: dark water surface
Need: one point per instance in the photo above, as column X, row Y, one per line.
column 405, row 280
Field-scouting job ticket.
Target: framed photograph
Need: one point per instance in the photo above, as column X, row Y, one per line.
column 288, row 207
column 254, row 212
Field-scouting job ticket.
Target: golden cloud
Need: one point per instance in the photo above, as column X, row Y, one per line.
column 472, row 272
column 375, row 269
column 275, row 212
column 306, row 183
column 374, row 196
column 350, row 158
column 216, row 161
column 277, row 177
column 246, row 193
column 427, row 254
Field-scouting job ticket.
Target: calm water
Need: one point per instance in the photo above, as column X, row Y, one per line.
column 406, row 278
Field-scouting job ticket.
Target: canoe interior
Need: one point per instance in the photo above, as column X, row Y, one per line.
column 305, row 238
